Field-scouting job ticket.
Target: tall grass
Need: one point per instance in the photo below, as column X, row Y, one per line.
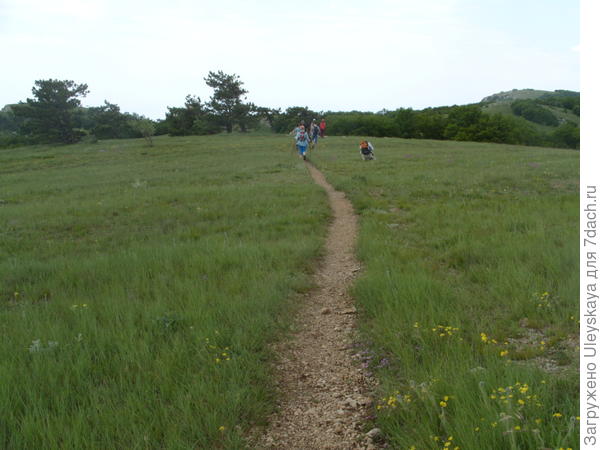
column 469, row 293
column 139, row 288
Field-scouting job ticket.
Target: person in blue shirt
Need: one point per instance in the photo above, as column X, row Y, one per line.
column 301, row 141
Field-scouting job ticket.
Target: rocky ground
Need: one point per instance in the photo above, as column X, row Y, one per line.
column 324, row 394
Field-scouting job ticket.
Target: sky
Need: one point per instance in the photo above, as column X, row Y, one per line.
column 337, row 55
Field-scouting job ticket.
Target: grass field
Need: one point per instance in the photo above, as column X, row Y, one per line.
column 470, row 294
column 139, row 288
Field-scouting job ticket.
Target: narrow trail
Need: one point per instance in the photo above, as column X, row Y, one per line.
column 323, row 393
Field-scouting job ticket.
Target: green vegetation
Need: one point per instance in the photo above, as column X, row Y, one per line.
column 139, row 288
column 534, row 112
column 524, row 117
column 469, row 294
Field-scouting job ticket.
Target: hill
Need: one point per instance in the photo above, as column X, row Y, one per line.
column 141, row 288
column 561, row 104
column 526, row 94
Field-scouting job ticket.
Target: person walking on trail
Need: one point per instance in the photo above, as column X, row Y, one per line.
column 295, row 130
column 314, row 133
column 301, row 141
column 322, row 127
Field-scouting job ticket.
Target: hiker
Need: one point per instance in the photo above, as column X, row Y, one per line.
column 295, row 130
column 366, row 150
column 322, row 127
column 314, row 133
column 301, row 141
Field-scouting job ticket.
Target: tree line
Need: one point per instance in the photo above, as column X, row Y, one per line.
column 55, row 115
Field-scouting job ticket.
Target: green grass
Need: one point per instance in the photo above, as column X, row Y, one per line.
column 140, row 287
column 470, row 289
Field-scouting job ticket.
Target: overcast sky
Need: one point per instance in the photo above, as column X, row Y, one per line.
column 336, row 55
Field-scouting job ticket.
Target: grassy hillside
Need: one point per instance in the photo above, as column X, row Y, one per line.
column 470, row 294
column 140, row 286
column 560, row 113
column 516, row 94
column 501, row 102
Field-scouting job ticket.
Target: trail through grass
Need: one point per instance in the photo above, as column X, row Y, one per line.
column 470, row 293
column 139, row 288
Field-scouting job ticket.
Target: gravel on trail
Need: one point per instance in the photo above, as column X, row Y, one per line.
column 323, row 393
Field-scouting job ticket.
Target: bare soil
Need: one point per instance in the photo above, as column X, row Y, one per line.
column 324, row 395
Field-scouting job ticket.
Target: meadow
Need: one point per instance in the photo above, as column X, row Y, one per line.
column 469, row 297
column 140, row 287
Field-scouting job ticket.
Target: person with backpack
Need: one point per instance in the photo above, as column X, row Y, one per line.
column 314, row 133
column 301, row 141
column 366, row 150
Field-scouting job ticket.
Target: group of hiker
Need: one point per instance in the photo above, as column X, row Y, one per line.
column 309, row 136
column 305, row 136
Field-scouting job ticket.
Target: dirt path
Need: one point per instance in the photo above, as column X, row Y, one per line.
column 323, row 392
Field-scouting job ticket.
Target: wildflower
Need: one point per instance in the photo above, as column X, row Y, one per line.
column 416, row 325
column 476, row 428
column 221, row 428
column 504, row 353
column 494, row 424
column 484, row 337
column 443, row 404
column 517, row 428
column 557, row 415
column 538, row 421
column 521, row 402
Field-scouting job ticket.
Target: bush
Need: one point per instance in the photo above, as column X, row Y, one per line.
column 531, row 110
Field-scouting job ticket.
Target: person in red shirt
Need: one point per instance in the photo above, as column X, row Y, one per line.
column 322, row 127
